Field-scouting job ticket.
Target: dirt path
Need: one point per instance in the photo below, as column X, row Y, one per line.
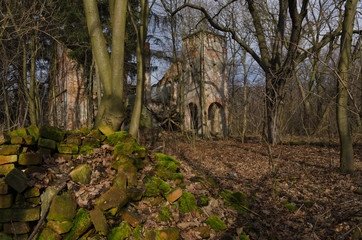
column 303, row 197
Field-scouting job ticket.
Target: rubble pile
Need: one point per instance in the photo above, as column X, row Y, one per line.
column 99, row 184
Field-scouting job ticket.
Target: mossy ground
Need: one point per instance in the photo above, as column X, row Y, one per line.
column 121, row 232
column 156, row 187
column 216, row 223
column 187, row 202
column 236, row 200
column 165, row 215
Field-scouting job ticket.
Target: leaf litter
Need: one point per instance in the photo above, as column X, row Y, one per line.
column 304, row 196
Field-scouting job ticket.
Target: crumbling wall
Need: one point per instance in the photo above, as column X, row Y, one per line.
column 68, row 105
column 205, row 58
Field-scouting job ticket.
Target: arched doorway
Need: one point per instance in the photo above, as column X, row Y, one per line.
column 215, row 117
column 194, row 123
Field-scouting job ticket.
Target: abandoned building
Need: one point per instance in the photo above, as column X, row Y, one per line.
column 205, row 83
column 195, row 85
column 198, row 82
column 68, row 108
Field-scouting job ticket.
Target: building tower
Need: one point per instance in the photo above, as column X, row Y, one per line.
column 68, row 107
column 205, row 83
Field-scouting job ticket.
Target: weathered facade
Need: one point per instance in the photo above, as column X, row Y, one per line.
column 69, row 104
column 205, row 83
column 197, row 84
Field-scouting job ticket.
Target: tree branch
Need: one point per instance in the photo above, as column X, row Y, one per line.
column 217, row 26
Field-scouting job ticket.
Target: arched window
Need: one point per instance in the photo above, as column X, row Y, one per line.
column 215, row 117
column 194, row 124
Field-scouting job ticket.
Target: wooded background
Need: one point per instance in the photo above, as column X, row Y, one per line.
column 294, row 66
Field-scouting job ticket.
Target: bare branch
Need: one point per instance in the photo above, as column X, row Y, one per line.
column 217, row 26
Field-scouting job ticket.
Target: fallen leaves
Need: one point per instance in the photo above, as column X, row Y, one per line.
column 327, row 203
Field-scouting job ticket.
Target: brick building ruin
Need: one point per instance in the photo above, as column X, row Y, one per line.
column 68, row 105
column 199, row 79
column 205, row 83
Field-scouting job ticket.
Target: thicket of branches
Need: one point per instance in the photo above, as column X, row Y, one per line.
column 30, row 32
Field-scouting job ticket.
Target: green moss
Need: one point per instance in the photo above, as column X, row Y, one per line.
column 67, row 148
column 48, row 234
column 81, row 224
column 74, row 139
column 137, row 233
column 156, row 187
column 187, row 202
column 29, row 140
column 82, row 174
column 309, row 204
column 33, row 131
column 118, row 137
column 52, row 133
column 216, row 223
column 83, row 131
column 291, row 207
column 97, row 134
column 236, row 200
column 130, row 148
column 92, row 142
column 124, row 148
column 163, row 157
column 121, row 232
column 86, row 150
column 4, row 236
column 165, row 215
column 165, row 169
column 176, row 176
column 60, row 227
column 168, row 233
column 212, row 181
column 62, row 208
column 244, row 236
column 21, row 132
column 120, row 160
column 203, row 200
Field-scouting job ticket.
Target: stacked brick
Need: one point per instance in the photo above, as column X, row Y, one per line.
column 18, row 154
column 22, row 152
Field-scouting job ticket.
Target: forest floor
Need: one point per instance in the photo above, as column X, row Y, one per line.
column 295, row 191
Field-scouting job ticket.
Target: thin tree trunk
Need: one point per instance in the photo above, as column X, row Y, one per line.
column 346, row 149
column 245, row 98
column 232, row 100
column 33, row 113
column 141, row 41
column 111, row 110
column 6, row 103
column 90, row 96
column 54, row 79
column 203, row 113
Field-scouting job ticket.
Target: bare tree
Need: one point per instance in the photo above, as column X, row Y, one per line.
column 111, row 111
column 278, row 48
column 346, row 152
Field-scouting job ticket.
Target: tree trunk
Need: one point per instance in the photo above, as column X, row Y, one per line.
column 346, row 149
column 141, row 41
column 274, row 95
column 111, row 111
column 33, row 111
column 245, row 98
column 7, row 112
column 90, row 96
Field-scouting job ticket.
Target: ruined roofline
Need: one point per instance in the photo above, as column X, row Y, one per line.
column 169, row 73
column 201, row 31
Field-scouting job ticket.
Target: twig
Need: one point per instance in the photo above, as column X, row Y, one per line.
column 45, row 213
column 345, row 234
